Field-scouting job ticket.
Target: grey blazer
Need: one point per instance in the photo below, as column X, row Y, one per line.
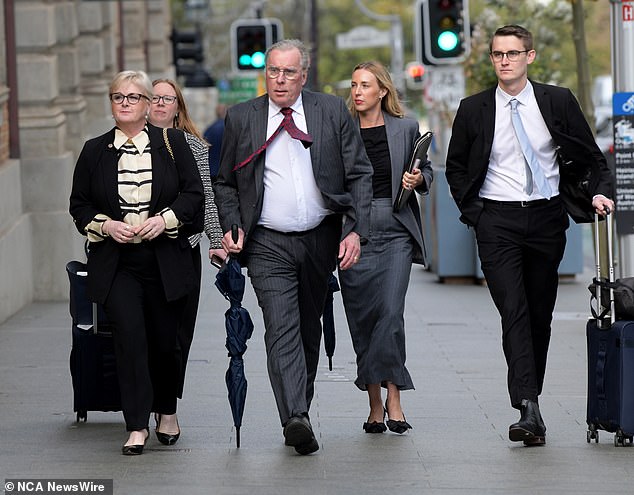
column 341, row 167
column 401, row 135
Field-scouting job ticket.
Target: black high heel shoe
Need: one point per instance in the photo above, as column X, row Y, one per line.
column 135, row 449
column 397, row 426
column 165, row 438
column 375, row 426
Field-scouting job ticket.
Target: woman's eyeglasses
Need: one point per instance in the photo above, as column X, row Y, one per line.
column 133, row 98
column 167, row 99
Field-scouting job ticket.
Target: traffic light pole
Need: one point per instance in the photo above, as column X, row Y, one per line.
column 622, row 28
column 396, row 38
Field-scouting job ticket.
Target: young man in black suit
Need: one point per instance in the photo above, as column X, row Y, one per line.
column 300, row 205
column 504, row 174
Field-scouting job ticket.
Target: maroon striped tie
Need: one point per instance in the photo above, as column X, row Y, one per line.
column 287, row 123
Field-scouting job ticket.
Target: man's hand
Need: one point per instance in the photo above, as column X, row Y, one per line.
column 349, row 251
column 600, row 204
column 232, row 247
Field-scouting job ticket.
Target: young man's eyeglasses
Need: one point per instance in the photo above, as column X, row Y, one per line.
column 274, row 72
column 167, row 99
column 511, row 55
column 133, row 98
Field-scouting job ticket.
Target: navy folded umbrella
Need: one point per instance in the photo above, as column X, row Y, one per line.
column 328, row 320
column 230, row 282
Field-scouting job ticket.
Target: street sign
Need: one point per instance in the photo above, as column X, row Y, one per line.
column 446, row 85
column 239, row 89
column 623, row 118
column 363, row 37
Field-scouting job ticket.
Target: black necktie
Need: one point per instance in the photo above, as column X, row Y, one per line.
column 287, row 123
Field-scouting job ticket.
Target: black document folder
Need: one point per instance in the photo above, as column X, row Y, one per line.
column 419, row 155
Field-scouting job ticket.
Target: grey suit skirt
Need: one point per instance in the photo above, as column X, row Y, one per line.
column 373, row 294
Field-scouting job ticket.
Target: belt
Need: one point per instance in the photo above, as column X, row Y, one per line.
column 520, row 204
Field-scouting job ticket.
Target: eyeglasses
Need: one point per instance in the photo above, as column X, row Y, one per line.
column 511, row 55
column 274, row 73
column 167, row 99
column 133, row 98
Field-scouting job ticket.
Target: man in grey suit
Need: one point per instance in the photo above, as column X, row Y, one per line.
column 504, row 173
column 296, row 181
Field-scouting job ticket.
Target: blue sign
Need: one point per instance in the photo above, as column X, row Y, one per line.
column 623, row 104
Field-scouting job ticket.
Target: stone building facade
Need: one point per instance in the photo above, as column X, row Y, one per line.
column 56, row 60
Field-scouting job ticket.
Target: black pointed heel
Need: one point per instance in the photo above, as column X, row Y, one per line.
column 135, row 449
column 165, row 438
column 396, row 426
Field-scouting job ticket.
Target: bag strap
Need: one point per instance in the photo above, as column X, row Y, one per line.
column 167, row 143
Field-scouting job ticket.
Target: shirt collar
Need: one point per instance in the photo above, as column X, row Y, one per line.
column 523, row 96
column 297, row 107
column 140, row 141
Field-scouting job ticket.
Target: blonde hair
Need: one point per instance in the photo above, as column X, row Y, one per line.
column 137, row 77
column 182, row 120
column 390, row 103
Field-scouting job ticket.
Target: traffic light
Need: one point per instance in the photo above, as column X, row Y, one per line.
column 249, row 40
column 415, row 72
column 187, row 50
column 442, row 31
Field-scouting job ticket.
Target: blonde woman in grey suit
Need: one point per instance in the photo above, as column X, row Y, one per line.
column 374, row 289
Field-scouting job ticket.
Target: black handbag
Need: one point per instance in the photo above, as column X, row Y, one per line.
column 622, row 293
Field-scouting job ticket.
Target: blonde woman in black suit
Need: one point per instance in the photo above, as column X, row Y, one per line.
column 374, row 289
column 137, row 205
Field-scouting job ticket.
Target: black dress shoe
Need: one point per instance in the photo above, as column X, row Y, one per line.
column 397, row 426
column 298, row 433
column 374, row 427
column 165, row 438
column 135, row 449
column 530, row 429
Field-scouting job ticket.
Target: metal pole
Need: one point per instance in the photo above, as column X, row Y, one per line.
column 623, row 81
column 396, row 35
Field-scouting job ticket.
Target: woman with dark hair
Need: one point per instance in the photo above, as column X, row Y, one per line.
column 374, row 289
column 168, row 109
column 137, row 196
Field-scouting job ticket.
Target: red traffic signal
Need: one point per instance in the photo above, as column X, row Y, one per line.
column 416, row 72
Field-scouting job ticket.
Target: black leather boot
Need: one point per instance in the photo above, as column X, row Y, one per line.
column 530, row 429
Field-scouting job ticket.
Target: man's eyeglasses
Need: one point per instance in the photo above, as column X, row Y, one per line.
column 133, row 98
column 167, row 99
column 511, row 55
column 274, row 72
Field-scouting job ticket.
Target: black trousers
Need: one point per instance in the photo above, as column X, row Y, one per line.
column 520, row 249
column 289, row 273
column 145, row 336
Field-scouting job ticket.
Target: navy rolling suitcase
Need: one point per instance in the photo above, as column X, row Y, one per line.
column 92, row 360
column 610, row 361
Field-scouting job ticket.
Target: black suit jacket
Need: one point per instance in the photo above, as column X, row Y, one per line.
column 341, row 167
column 175, row 184
column 585, row 175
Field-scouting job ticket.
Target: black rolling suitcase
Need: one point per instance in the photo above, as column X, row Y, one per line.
column 610, row 359
column 92, row 360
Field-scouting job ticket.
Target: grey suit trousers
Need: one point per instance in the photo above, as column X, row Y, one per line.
column 289, row 273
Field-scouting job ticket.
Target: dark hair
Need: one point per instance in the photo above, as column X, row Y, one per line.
column 525, row 36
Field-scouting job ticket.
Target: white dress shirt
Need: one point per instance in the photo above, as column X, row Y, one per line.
column 506, row 175
column 292, row 201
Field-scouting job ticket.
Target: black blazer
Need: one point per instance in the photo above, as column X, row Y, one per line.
column 472, row 139
column 175, row 184
column 341, row 167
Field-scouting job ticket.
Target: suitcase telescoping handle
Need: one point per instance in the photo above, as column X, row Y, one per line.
column 609, row 223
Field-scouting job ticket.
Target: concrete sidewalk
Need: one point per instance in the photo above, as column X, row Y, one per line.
column 459, row 410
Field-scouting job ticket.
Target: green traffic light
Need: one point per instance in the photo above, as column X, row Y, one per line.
column 257, row 60
column 245, row 60
column 447, row 41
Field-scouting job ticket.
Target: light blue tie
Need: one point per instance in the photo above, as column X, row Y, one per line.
column 534, row 171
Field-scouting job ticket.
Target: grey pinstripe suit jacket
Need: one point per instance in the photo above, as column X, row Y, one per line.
column 340, row 164
column 401, row 134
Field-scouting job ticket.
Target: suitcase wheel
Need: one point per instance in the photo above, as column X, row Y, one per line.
column 622, row 439
column 592, row 434
column 82, row 416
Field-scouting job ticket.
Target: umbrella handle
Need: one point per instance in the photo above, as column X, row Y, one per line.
column 234, row 233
